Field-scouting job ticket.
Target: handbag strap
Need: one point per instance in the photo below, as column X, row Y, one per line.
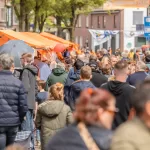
column 87, row 138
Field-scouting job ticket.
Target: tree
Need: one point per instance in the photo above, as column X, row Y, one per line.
column 67, row 11
column 23, row 10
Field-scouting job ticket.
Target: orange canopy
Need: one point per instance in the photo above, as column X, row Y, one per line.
column 58, row 39
column 48, row 43
column 6, row 35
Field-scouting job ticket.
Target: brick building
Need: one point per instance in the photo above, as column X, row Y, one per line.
column 100, row 20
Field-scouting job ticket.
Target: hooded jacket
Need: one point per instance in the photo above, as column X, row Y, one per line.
column 72, row 77
column 123, row 93
column 52, row 116
column 28, row 78
column 75, row 89
column 57, row 75
column 73, row 141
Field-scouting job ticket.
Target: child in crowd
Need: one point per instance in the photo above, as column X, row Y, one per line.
column 53, row 115
column 42, row 96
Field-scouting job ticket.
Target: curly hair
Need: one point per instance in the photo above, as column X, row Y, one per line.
column 89, row 103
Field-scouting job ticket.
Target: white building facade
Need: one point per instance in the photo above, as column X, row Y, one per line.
column 132, row 18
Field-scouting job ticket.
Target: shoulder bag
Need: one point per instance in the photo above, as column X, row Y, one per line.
column 86, row 136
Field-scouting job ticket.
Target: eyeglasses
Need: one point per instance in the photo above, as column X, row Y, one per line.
column 116, row 110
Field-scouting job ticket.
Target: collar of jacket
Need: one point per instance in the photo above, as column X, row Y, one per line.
column 6, row 72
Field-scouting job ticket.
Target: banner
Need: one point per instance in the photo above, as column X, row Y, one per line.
column 121, row 4
column 101, row 34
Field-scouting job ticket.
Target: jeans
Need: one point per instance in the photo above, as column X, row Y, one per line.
column 7, row 136
column 28, row 125
column 38, row 139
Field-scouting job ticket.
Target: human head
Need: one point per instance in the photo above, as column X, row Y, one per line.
column 61, row 65
column 36, row 60
column 6, row 62
column 56, row 91
column 78, row 64
column 86, row 73
column 138, row 51
column 41, row 85
column 141, row 101
column 99, row 54
column 114, row 60
column 95, row 107
column 121, row 69
column 131, row 50
column 93, row 58
column 26, row 58
column 140, row 66
column 124, row 54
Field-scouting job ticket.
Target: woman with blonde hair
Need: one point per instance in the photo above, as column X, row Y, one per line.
column 53, row 115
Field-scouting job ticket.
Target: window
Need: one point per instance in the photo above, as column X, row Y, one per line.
column 81, row 41
column 3, row 14
column 99, row 22
column 137, row 17
column 80, row 21
column 87, row 21
column 115, row 21
column 104, row 21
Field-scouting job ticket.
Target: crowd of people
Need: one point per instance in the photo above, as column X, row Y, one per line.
column 84, row 101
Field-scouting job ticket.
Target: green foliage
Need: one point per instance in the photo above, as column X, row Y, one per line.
column 66, row 10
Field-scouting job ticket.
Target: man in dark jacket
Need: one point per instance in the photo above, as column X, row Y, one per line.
column 77, row 87
column 97, row 77
column 122, row 91
column 74, row 75
column 13, row 102
column 58, row 75
column 138, row 76
column 28, row 78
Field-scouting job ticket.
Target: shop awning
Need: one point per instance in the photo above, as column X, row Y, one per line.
column 60, row 40
column 47, row 43
column 6, row 35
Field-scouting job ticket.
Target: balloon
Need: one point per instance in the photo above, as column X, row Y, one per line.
column 59, row 48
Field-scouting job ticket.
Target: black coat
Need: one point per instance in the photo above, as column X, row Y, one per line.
column 13, row 102
column 123, row 93
column 72, row 141
column 98, row 78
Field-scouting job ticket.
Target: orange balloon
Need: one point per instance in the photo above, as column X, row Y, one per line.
column 59, row 48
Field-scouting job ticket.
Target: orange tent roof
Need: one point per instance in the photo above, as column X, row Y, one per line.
column 38, row 37
column 58, row 39
column 6, row 35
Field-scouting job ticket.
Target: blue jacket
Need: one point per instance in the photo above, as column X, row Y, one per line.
column 136, row 78
column 72, row 77
column 13, row 102
column 75, row 90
